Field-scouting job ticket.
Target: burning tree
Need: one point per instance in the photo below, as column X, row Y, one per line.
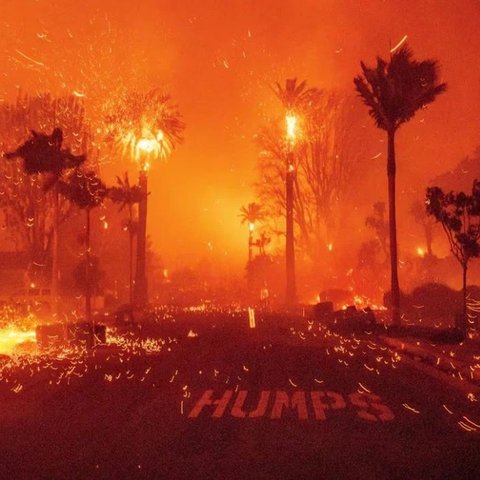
column 327, row 155
column 393, row 92
column 459, row 214
column 147, row 126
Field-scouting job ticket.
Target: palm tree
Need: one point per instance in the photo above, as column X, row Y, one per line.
column 127, row 196
column 251, row 214
column 146, row 126
column 87, row 191
column 262, row 242
column 294, row 98
column 393, row 92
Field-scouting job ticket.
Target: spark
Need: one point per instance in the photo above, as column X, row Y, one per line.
column 408, row 407
column 36, row 62
column 466, row 427
column 470, row 421
column 364, row 388
column 399, row 44
column 446, row 408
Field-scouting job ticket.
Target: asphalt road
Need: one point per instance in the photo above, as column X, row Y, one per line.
column 232, row 403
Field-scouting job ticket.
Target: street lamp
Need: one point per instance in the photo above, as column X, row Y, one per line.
column 291, row 135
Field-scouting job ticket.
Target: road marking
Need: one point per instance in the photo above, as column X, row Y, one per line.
column 304, row 404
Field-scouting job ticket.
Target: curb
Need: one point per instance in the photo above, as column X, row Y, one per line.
column 453, row 372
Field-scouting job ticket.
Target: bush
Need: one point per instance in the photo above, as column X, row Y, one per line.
column 433, row 300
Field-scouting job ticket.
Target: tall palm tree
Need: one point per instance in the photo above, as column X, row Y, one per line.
column 294, row 97
column 251, row 214
column 86, row 190
column 127, row 196
column 393, row 92
column 146, row 126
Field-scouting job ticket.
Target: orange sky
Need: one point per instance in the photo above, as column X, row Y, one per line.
column 217, row 58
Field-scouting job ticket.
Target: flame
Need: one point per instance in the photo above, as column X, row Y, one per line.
column 11, row 337
column 251, row 226
column 291, row 122
column 421, row 252
column 149, row 145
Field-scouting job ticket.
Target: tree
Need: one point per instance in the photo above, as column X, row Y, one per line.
column 145, row 126
column 425, row 221
column 127, row 196
column 294, row 99
column 459, row 214
column 88, row 276
column 86, row 191
column 330, row 149
column 262, row 242
column 251, row 214
column 33, row 215
column 393, row 92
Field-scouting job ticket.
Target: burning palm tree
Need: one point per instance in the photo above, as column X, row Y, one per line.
column 294, row 98
column 147, row 127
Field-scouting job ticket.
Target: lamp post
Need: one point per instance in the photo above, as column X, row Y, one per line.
column 291, row 293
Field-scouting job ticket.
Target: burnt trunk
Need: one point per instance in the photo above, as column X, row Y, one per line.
column 392, row 218
column 130, row 255
column 56, row 221
column 291, row 293
column 141, row 295
column 88, row 288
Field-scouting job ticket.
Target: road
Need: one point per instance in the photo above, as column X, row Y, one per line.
column 298, row 402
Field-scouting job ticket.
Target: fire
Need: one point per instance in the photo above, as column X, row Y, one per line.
column 251, row 226
column 148, row 145
column 11, row 337
column 291, row 122
column 421, row 252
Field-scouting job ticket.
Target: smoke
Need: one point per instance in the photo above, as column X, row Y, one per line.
column 217, row 59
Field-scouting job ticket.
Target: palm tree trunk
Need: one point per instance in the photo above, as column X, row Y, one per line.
column 291, row 293
column 463, row 327
column 141, row 295
column 130, row 263
column 394, row 285
column 88, row 300
column 54, row 285
column 250, row 243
